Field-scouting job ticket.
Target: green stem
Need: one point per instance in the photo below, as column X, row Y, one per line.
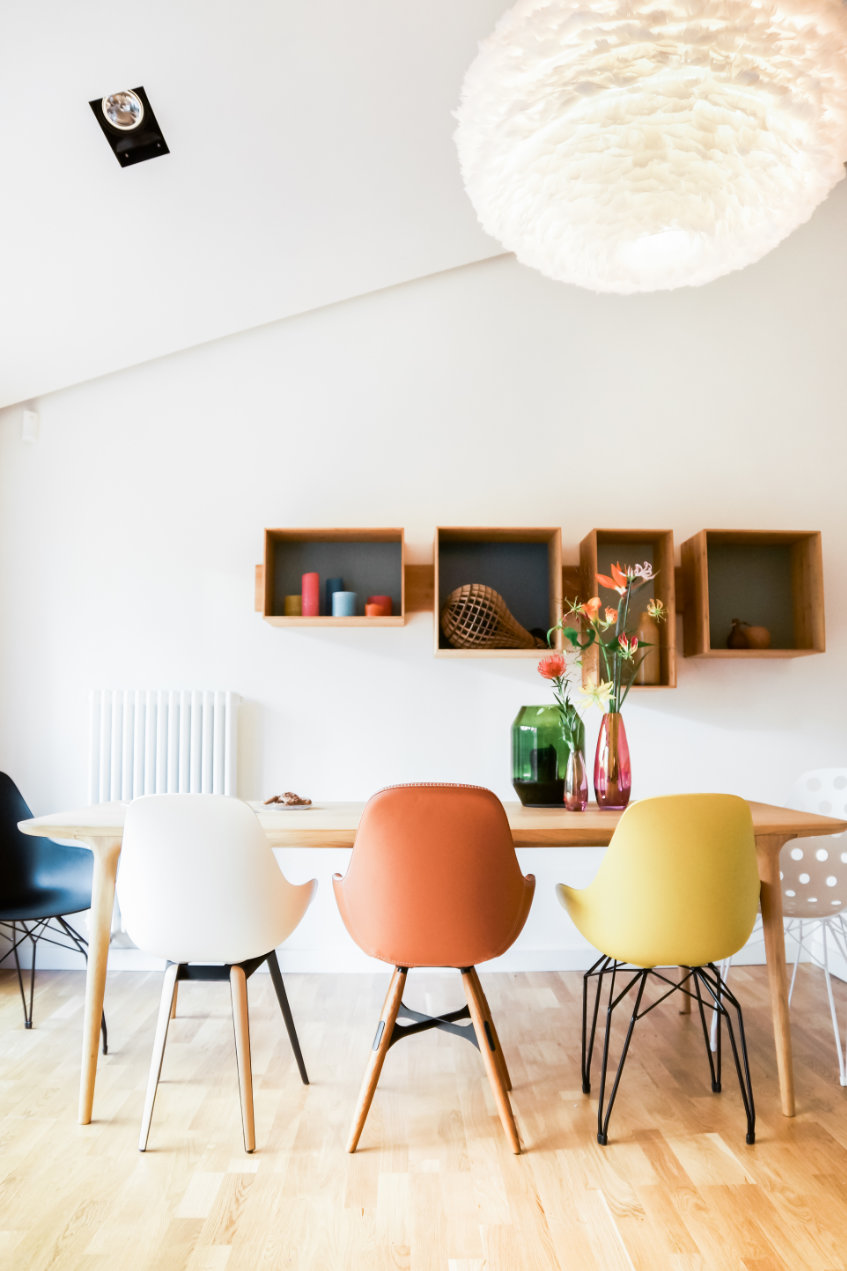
column 623, row 618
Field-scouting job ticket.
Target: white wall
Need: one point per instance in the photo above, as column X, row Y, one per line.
column 485, row 395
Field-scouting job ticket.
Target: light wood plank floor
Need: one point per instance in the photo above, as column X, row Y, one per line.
column 433, row 1186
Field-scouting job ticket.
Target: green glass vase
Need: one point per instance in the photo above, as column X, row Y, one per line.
column 540, row 756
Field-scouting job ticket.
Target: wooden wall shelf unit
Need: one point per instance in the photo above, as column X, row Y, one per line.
column 772, row 579
column 371, row 562
column 523, row 565
column 767, row 578
column 598, row 551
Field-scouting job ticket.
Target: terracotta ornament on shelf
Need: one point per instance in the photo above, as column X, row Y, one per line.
column 746, row 636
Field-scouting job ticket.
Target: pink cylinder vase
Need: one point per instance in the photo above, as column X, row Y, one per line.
column 576, row 782
column 311, row 593
column 612, row 771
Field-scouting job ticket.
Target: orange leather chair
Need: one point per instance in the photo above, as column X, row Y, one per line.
column 434, row 882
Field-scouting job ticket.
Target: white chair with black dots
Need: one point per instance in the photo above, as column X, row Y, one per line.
column 814, row 886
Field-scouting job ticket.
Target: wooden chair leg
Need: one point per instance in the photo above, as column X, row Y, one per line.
column 241, row 1027
column 165, row 1007
column 173, row 1004
column 501, row 1098
column 499, row 1057
column 381, row 1042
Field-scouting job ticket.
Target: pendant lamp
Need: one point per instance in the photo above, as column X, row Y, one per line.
column 626, row 146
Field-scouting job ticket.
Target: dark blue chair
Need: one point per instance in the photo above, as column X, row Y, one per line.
column 40, row 882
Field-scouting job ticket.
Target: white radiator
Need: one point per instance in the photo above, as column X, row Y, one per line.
column 145, row 741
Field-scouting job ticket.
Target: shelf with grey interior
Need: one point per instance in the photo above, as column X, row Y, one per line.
column 598, row 551
column 769, row 579
column 524, row 568
column 370, row 561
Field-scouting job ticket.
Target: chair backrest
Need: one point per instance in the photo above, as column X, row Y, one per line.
column 814, row 870
column 16, row 855
column 433, row 879
column 29, row 864
column 198, row 880
column 679, row 884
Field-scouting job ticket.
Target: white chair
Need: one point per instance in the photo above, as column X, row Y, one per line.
column 199, row 884
column 814, row 885
column 813, row 874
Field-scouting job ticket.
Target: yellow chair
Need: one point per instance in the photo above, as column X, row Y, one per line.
column 678, row 887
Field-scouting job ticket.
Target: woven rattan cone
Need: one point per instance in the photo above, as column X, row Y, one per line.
column 477, row 617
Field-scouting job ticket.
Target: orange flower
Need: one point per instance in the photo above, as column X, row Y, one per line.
column 591, row 607
column 618, row 582
column 552, row 667
column 626, row 576
column 611, row 615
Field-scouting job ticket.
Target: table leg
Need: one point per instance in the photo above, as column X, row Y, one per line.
column 685, row 1005
column 102, row 903
column 768, row 849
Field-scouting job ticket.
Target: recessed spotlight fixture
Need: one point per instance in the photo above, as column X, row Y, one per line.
column 129, row 125
column 123, row 110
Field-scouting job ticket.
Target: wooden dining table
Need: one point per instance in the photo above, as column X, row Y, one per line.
column 333, row 825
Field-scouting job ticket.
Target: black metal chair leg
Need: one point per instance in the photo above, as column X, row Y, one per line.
column 282, row 997
column 713, row 1057
column 15, row 943
column 588, row 1039
column 742, row 1064
column 721, row 995
column 639, row 977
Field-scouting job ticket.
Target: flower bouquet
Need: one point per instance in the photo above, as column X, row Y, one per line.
column 611, row 629
column 555, row 669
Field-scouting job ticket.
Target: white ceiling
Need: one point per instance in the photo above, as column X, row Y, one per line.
column 311, row 160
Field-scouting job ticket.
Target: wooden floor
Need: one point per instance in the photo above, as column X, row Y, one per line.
column 433, row 1186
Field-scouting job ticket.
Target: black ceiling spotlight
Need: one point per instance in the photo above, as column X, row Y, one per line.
column 130, row 126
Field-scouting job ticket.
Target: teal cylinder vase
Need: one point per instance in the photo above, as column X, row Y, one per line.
column 540, row 756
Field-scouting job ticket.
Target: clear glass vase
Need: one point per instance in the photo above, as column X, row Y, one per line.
column 576, row 782
column 612, row 771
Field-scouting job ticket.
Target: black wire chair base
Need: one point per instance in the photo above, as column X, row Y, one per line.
column 704, row 985
column 57, row 931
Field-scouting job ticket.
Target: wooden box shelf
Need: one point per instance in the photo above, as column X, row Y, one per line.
column 371, row 562
column 597, row 552
column 772, row 579
column 523, row 565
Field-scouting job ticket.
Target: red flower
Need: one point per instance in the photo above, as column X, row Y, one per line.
column 552, row 667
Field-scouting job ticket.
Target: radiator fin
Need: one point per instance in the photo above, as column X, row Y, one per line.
column 158, row 741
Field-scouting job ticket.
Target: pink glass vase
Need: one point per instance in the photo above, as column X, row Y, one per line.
column 576, row 782
column 612, row 772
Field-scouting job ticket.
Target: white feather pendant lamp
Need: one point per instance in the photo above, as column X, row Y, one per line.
column 623, row 146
